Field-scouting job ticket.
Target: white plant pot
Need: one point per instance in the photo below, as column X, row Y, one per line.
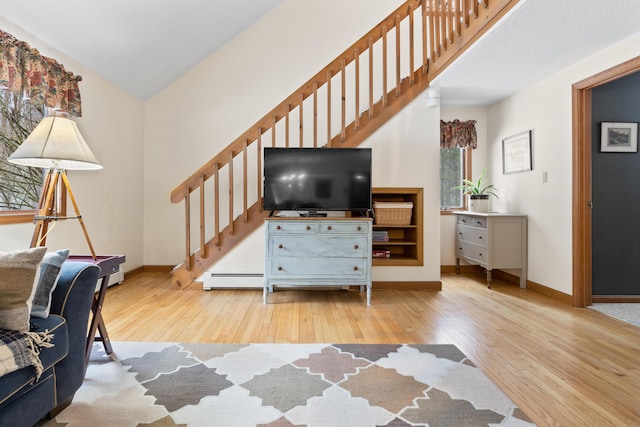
column 478, row 204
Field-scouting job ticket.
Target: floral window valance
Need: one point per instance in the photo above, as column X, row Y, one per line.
column 458, row 134
column 23, row 71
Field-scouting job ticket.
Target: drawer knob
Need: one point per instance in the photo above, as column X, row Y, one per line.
column 280, row 246
column 277, row 227
column 478, row 222
column 328, row 227
column 279, row 268
column 359, row 228
column 480, row 237
column 463, row 220
column 355, row 246
column 355, row 268
column 308, row 227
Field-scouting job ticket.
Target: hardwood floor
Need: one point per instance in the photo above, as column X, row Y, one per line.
column 564, row 366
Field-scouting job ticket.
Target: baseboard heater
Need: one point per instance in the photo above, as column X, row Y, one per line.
column 233, row 281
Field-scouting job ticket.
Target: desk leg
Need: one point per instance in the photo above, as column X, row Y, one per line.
column 97, row 324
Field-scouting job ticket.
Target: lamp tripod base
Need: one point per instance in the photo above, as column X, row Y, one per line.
column 46, row 209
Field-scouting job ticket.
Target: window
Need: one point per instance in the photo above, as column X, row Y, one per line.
column 30, row 85
column 19, row 185
column 455, row 164
column 457, row 139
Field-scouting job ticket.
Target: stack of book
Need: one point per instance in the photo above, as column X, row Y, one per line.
column 381, row 253
column 380, row 236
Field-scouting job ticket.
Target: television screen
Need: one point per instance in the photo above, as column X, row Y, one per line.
column 317, row 179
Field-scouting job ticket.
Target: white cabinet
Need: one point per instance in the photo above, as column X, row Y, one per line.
column 317, row 252
column 492, row 240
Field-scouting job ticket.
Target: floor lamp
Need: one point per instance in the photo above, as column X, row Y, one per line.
column 57, row 145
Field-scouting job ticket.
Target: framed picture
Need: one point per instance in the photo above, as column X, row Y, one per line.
column 619, row 137
column 516, row 153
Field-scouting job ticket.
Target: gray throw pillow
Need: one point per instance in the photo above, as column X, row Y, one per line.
column 18, row 279
column 49, row 274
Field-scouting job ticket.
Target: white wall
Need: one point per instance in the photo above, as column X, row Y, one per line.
column 545, row 108
column 406, row 153
column 211, row 105
column 110, row 200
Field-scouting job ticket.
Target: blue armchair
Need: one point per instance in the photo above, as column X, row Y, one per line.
column 23, row 401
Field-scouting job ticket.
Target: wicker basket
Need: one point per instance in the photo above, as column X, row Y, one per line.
column 393, row 213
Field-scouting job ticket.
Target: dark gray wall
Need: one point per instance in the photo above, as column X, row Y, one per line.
column 616, row 194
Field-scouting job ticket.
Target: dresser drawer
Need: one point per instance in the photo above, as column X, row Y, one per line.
column 322, row 246
column 472, row 221
column 328, row 227
column 333, row 268
column 472, row 235
column 284, row 227
column 474, row 253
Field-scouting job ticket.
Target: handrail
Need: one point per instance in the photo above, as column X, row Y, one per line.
column 443, row 28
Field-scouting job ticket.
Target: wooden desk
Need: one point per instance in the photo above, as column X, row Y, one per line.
column 108, row 264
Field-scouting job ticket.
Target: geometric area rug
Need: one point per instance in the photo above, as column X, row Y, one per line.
column 183, row 384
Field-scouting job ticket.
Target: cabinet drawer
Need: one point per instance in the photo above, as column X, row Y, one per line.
column 472, row 235
column 317, row 267
column 325, row 246
column 472, row 221
column 293, row 227
column 328, row 227
column 474, row 253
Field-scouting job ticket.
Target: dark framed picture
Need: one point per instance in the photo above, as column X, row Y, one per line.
column 619, row 137
column 516, row 153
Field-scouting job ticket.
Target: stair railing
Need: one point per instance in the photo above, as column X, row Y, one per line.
column 338, row 107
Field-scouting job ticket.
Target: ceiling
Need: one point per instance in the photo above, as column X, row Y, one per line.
column 144, row 45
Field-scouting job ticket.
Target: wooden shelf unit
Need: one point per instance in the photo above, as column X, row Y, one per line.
column 405, row 241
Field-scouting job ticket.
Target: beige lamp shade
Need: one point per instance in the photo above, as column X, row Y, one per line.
column 55, row 143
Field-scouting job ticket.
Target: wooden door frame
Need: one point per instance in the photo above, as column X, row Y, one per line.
column 581, row 140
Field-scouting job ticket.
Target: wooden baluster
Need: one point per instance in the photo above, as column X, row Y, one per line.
column 449, row 12
column 187, row 224
column 343, row 101
column 203, row 245
column 432, row 29
column 301, row 119
column 398, row 77
column 329, row 108
column 425, row 53
column 475, row 9
column 457, row 18
column 273, row 131
column 438, row 27
column 230, row 166
column 286, row 127
column 357, row 82
column 411, row 45
column 216, row 204
column 370, row 77
column 245, row 182
column 315, row 115
column 384, row 65
column 259, row 167
column 465, row 12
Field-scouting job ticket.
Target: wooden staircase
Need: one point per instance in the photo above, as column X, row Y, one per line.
column 340, row 106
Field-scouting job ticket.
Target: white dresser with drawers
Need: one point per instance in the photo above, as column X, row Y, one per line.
column 492, row 240
column 317, row 252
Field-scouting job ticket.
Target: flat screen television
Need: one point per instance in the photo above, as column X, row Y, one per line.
column 317, row 179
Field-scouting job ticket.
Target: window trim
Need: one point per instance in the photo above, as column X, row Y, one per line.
column 467, row 175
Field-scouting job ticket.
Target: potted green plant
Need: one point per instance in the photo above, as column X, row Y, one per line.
column 478, row 192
